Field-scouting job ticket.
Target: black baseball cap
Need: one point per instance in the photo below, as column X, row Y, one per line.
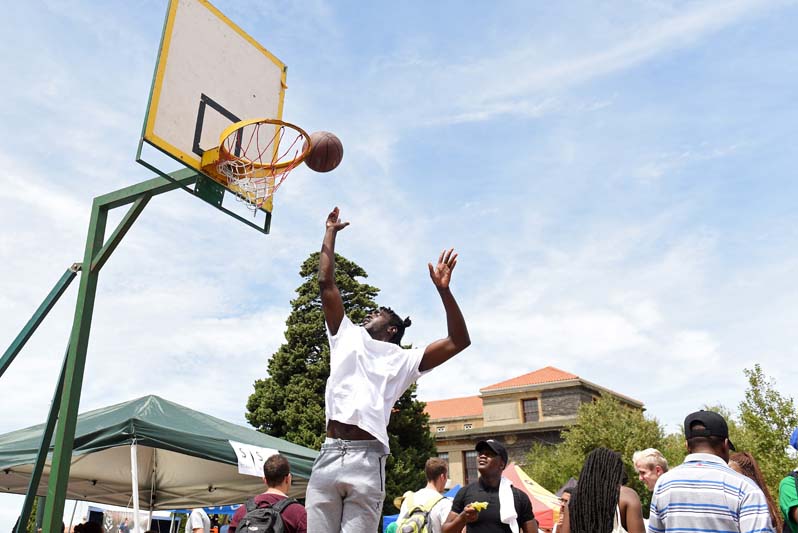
column 497, row 447
column 714, row 423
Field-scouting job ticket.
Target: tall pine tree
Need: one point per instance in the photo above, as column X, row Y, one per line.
column 289, row 403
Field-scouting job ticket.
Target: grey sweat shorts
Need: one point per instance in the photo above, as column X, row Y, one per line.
column 346, row 487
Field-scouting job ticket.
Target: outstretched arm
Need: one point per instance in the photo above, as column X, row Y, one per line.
column 457, row 340
column 331, row 303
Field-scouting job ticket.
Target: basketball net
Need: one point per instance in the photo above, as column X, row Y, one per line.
column 256, row 156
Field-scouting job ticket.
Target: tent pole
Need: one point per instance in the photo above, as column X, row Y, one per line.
column 152, row 486
column 72, row 518
column 134, row 475
column 172, row 523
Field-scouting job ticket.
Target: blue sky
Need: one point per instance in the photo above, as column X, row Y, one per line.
column 617, row 178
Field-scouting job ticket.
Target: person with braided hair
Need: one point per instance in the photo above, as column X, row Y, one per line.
column 599, row 505
column 369, row 371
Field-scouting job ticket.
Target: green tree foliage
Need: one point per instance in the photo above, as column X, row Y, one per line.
column 605, row 422
column 31, row 528
column 674, row 449
column 289, row 403
column 766, row 420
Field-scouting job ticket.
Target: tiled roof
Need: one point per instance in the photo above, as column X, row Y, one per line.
column 547, row 374
column 467, row 406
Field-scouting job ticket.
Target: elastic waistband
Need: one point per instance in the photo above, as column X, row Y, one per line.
column 364, row 445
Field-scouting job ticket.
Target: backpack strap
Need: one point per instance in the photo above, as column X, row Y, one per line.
column 439, row 500
column 282, row 504
column 407, row 498
column 251, row 505
column 426, row 509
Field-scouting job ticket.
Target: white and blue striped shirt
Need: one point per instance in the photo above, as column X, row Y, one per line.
column 704, row 495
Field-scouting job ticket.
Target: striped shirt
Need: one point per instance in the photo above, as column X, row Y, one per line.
column 704, row 495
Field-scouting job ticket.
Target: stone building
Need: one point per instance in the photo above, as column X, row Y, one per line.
column 534, row 407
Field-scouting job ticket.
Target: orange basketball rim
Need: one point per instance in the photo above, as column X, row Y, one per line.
column 255, row 156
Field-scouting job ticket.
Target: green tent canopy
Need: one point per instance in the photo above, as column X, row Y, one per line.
column 184, row 457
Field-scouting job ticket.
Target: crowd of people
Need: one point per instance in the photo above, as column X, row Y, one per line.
column 715, row 489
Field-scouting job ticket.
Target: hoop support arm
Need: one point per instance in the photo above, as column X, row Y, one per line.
column 37, row 318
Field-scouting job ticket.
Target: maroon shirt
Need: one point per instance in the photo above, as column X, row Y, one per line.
column 294, row 516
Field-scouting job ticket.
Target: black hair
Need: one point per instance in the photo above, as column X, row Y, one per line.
column 592, row 506
column 394, row 320
column 569, row 490
column 92, row 527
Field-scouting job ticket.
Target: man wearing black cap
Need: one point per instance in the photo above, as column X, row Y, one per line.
column 509, row 509
column 703, row 493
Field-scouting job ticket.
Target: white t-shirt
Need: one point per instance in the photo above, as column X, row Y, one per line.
column 367, row 376
column 198, row 520
column 438, row 514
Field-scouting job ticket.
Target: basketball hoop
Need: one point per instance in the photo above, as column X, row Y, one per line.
column 255, row 156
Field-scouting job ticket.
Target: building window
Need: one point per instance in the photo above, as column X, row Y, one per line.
column 468, row 426
column 470, row 471
column 531, row 413
column 440, row 429
column 445, row 457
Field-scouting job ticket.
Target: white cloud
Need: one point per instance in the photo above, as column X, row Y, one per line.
column 520, row 80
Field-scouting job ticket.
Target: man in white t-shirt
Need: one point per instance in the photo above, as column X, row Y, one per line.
column 436, row 471
column 369, row 371
column 198, row 521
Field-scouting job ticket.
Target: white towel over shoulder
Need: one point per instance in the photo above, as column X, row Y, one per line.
column 507, row 512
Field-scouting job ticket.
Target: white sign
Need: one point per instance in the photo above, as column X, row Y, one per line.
column 251, row 458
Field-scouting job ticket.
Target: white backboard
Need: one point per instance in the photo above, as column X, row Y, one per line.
column 209, row 74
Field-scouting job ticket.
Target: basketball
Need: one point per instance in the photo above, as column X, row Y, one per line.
column 326, row 151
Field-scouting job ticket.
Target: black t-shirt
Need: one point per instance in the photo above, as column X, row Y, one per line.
column 489, row 520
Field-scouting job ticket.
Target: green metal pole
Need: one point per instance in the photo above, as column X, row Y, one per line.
column 94, row 257
column 73, row 382
column 41, row 457
column 37, row 318
column 121, row 230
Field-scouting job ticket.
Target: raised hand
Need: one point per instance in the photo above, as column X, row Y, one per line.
column 331, row 303
column 334, row 223
column 441, row 273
